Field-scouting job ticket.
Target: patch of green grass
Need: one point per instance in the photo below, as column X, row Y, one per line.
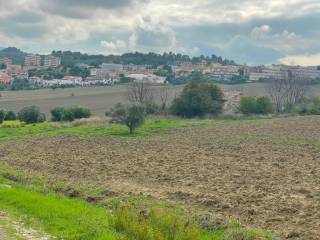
column 59, row 216
column 118, row 218
column 151, row 126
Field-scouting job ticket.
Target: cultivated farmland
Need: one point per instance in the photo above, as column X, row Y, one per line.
column 101, row 99
column 266, row 173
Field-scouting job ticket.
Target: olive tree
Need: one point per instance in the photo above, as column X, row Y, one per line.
column 132, row 116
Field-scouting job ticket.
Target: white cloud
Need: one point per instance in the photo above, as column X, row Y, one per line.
column 116, row 47
column 260, row 32
column 150, row 35
column 303, row 60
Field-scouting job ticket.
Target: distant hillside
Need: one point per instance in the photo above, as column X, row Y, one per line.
column 69, row 58
column 13, row 53
column 153, row 59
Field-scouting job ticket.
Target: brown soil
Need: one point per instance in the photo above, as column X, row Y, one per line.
column 266, row 175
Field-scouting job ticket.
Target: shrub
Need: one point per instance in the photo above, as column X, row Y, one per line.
column 118, row 114
column 69, row 114
column 248, row 105
column 80, row 112
column 307, row 107
column 197, row 99
column 2, row 116
column 10, row 116
column 132, row 116
column 57, row 113
column 153, row 109
column 264, row 105
column 31, row 115
column 13, row 124
column 255, row 105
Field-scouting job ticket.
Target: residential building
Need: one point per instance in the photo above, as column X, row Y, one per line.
column 51, row 61
column 223, row 73
column 111, row 67
column 5, row 78
column 33, row 60
column 262, row 72
column 5, row 60
column 304, row 72
column 151, row 78
column 13, row 68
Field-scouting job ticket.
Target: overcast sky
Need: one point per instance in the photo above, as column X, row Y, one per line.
column 248, row 31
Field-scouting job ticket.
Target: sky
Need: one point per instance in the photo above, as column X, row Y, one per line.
column 247, row 31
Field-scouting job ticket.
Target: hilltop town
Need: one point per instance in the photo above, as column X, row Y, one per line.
column 56, row 70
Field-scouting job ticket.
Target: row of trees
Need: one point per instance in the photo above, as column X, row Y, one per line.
column 69, row 58
column 33, row 114
column 28, row 115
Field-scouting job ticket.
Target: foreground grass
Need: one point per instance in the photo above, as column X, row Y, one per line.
column 135, row 218
column 104, row 129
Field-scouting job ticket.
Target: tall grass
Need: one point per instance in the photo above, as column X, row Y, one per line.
column 74, row 219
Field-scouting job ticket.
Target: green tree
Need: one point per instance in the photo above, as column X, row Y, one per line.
column 132, row 116
column 135, row 117
column 31, row 115
column 248, row 105
column 10, row 116
column 57, row 113
column 263, row 105
column 197, row 99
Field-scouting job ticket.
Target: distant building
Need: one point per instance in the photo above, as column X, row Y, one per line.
column 151, row 78
column 304, row 72
column 263, row 72
column 74, row 79
column 13, row 68
column 51, row 61
column 5, row 60
column 93, row 71
column 33, row 60
column 5, row 78
column 111, row 67
column 223, row 73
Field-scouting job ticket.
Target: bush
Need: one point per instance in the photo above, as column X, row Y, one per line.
column 31, row 115
column 264, row 105
column 80, row 112
column 10, row 116
column 13, row 124
column 253, row 105
column 118, row 114
column 248, row 105
column 69, row 114
column 57, row 113
column 153, row 109
column 307, row 107
column 2, row 116
column 197, row 99
column 132, row 116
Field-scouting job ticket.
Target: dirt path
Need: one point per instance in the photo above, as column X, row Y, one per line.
column 266, row 175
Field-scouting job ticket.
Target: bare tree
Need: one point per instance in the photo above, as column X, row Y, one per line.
column 287, row 91
column 140, row 92
column 164, row 96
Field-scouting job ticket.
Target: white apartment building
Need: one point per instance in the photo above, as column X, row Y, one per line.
column 32, row 60
column 5, row 60
column 51, row 61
